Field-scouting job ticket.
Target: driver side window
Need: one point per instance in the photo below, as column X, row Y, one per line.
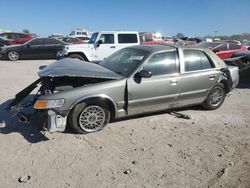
column 107, row 38
column 162, row 63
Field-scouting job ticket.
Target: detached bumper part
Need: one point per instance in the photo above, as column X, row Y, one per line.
column 56, row 123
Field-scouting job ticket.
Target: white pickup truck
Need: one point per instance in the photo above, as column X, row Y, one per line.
column 101, row 45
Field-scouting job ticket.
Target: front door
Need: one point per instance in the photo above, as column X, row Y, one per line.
column 199, row 75
column 106, row 46
column 161, row 90
column 32, row 49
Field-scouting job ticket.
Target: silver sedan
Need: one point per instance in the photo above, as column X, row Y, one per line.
column 134, row 80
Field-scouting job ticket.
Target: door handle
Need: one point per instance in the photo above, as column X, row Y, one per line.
column 211, row 77
column 112, row 46
column 173, row 82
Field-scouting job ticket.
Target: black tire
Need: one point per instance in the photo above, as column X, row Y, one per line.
column 13, row 55
column 76, row 56
column 83, row 124
column 218, row 91
column 58, row 54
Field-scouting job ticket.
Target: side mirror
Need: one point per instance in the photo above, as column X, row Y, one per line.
column 145, row 74
column 27, row 45
column 98, row 43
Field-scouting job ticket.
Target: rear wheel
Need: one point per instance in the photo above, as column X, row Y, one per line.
column 59, row 54
column 76, row 56
column 87, row 118
column 13, row 55
column 215, row 97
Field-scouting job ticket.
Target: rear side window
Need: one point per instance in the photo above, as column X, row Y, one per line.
column 234, row 47
column 222, row 47
column 51, row 41
column 196, row 60
column 36, row 42
column 162, row 63
column 127, row 38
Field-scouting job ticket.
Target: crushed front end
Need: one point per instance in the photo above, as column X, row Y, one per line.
column 59, row 86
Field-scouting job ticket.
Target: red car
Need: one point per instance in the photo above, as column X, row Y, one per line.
column 17, row 38
column 224, row 50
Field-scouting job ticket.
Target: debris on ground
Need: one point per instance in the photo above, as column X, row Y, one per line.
column 134, row 162
column 179, row 115
column 24, row 179
column 127, row 171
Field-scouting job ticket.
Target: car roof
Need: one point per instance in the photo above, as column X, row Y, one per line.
column 118, row 32
column 44, row 38
column 151, row 48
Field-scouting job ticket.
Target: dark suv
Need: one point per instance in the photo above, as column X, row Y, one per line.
column 17, row 38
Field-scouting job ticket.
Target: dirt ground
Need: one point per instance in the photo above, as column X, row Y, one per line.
column 212, row 149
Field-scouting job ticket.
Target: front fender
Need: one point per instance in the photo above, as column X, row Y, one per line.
column 95, row 96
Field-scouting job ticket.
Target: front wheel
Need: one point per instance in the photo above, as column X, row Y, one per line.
column 87, row 118
column 215, row 97
column 13, row 55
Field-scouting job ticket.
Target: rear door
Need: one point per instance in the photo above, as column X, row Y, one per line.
column 51, row 47
column 233, row 48
column 198, row 76
column 161, row 91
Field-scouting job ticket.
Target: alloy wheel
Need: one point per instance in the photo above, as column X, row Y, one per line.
column 216, row 96
column 92, row 118
column 13, row 55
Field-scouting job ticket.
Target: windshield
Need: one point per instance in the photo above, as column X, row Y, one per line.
column 93, row 38
column 208, row 44
column 125, row 61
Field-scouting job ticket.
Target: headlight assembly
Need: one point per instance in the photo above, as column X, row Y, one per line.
column 47, row 104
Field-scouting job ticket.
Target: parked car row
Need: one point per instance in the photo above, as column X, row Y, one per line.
column 224, row 50
column 10, row 38
column 99, row 46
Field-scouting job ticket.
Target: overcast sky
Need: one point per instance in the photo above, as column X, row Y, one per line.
column 191, row 17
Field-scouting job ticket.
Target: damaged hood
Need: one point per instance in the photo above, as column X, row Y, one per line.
column 76, row 68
